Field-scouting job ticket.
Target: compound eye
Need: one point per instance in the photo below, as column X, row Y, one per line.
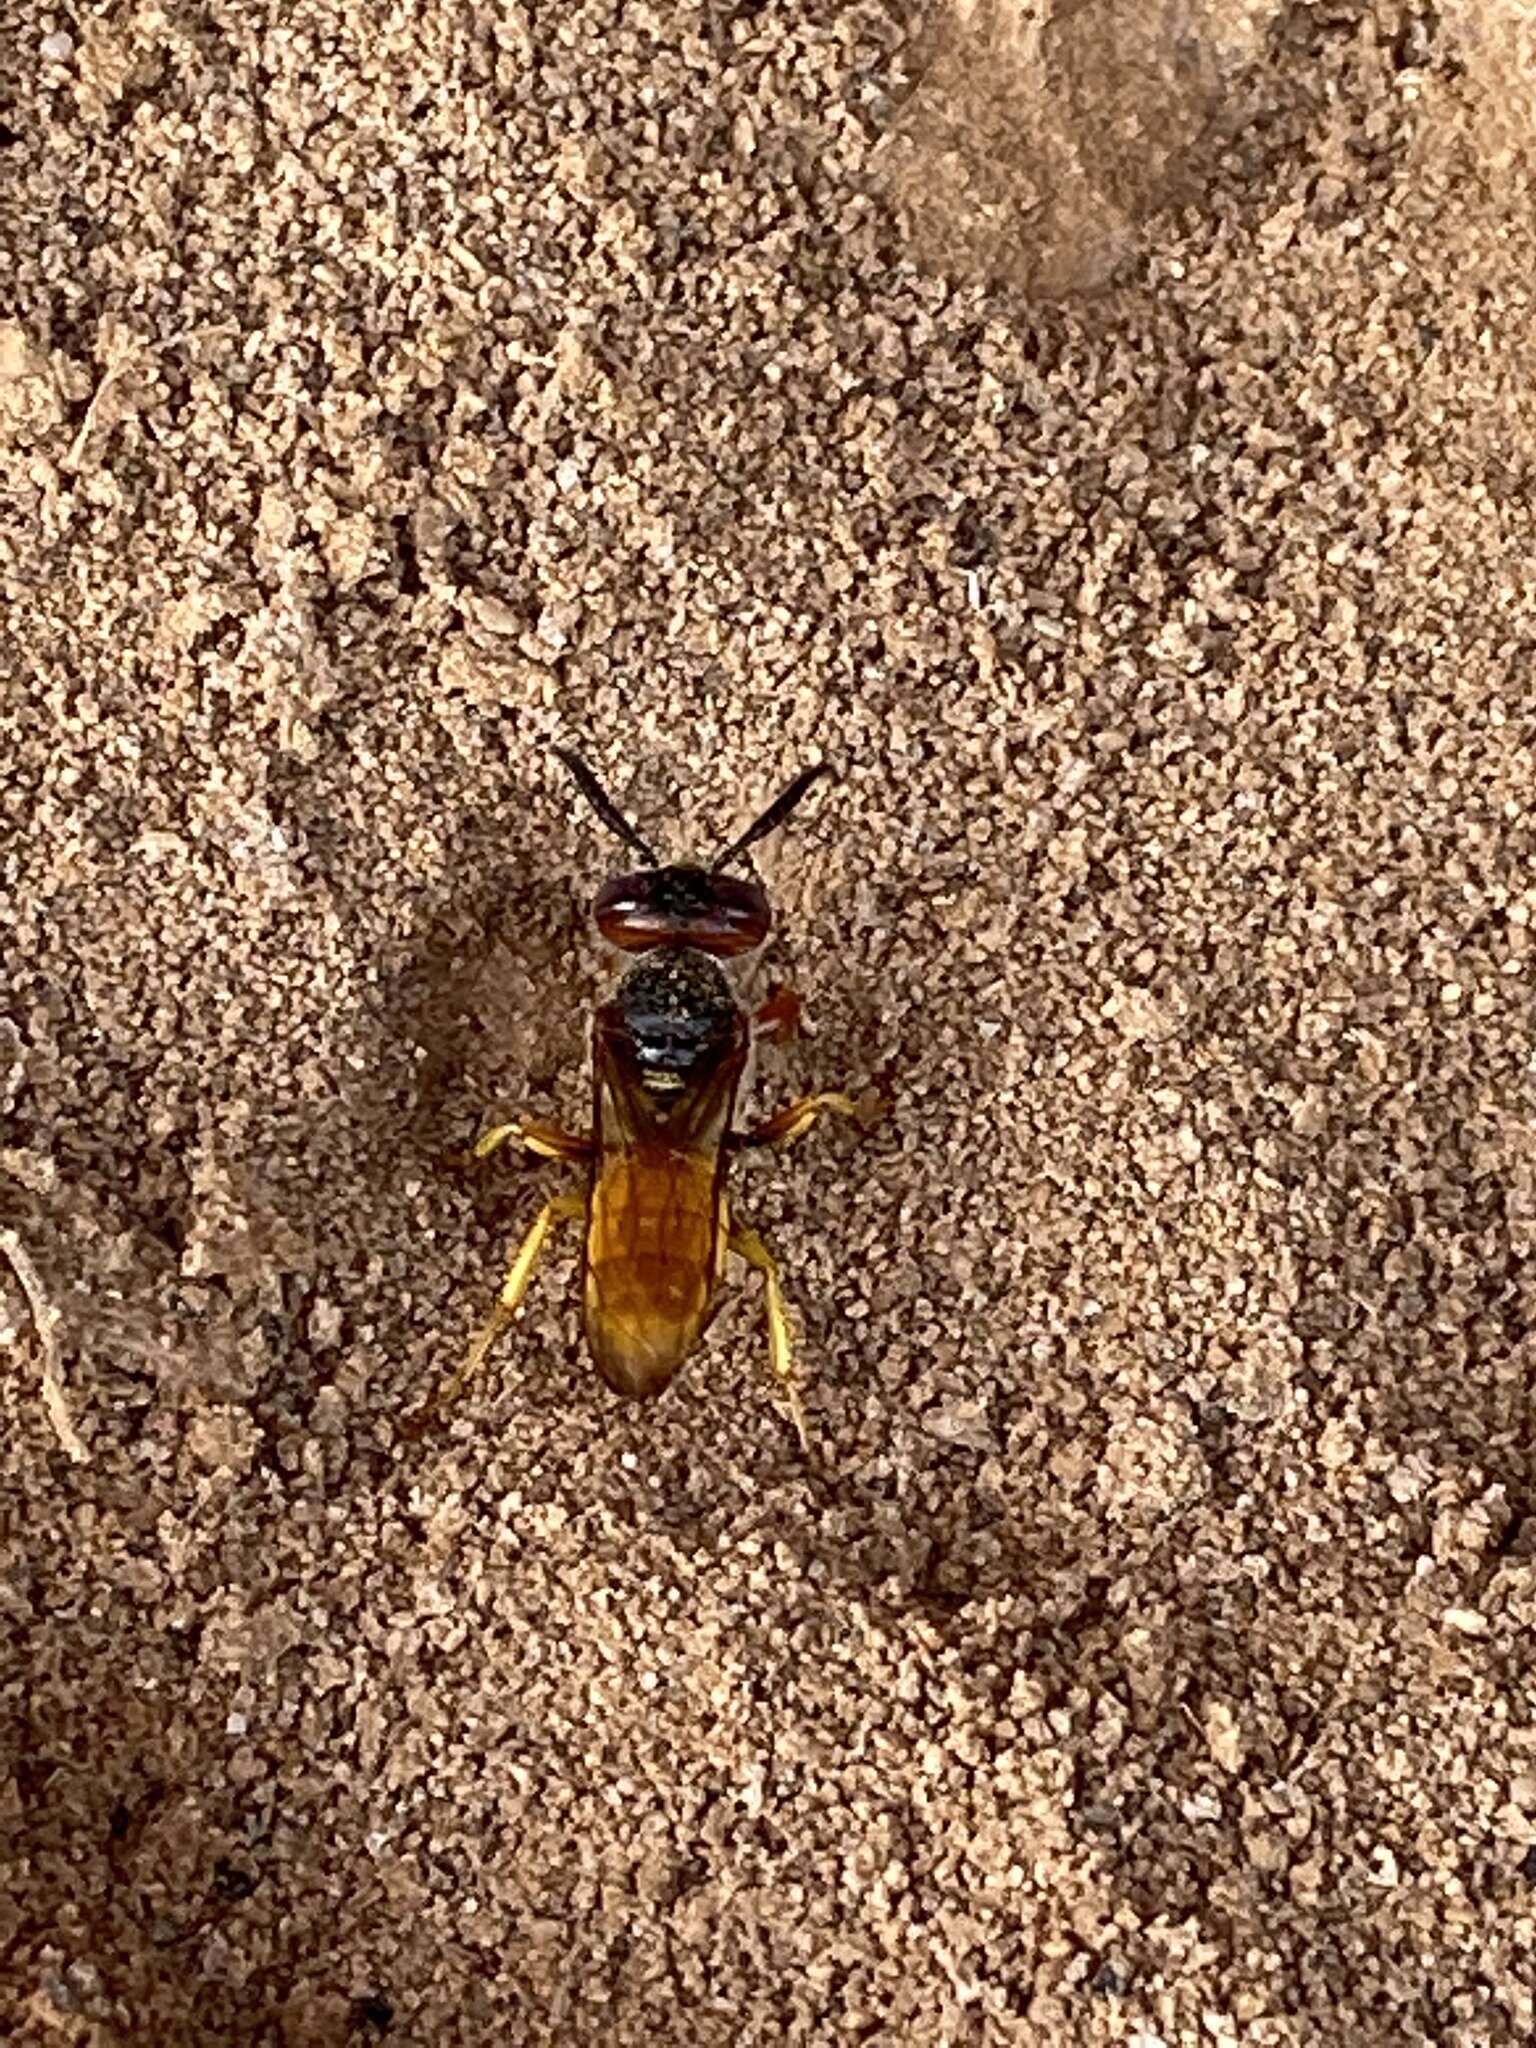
column 624, row 914
column 738, row 920
column 718, row 914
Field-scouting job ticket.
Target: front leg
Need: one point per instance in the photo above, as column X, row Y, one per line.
column 778, row 1019
column 795, row 1118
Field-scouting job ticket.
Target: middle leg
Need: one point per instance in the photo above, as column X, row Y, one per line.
column 548, row 1140
column 796, row 1118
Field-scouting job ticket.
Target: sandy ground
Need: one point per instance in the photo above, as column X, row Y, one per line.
column 387, row 393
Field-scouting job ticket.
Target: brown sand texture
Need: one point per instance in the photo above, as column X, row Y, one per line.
column 1106, row 435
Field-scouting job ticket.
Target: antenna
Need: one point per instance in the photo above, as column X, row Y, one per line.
column 775, row 814
column 604, row 804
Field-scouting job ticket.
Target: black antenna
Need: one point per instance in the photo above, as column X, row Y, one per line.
column 604, row 804
column 775, row 814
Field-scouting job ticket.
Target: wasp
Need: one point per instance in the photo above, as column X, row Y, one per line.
column 669, row 1050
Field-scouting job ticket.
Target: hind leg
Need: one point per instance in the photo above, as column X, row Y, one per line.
column 559, row 1209
column 781, row 1350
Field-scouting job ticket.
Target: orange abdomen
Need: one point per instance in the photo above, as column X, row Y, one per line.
column 651, row 1264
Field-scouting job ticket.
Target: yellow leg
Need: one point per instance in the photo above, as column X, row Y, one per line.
column 559, row 1209
column 796, row 1118
column 548, row 1140
column 781, row 1351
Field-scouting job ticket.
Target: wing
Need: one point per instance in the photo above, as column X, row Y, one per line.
column 653, row 1250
